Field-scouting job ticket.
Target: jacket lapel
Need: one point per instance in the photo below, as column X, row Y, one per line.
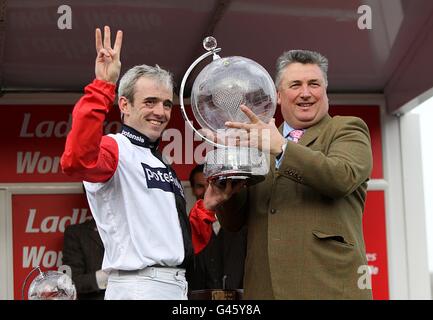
column 272, row 166
column 307, row 138
column 313, row 132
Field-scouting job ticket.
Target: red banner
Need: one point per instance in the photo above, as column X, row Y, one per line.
column 33, row 139
column 38, row 224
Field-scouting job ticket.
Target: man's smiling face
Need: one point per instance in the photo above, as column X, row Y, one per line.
column 150, row 111
column 302, row 95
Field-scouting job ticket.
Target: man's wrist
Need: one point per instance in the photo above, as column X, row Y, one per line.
column 283, row 149
column 207, row 206
column 108, row 82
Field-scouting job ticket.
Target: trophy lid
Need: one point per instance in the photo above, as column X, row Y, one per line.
column 210, row 43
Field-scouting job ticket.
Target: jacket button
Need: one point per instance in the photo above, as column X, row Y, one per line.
column 273, row 211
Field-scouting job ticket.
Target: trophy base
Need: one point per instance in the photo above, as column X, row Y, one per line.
column 249, row 179
column 241, row 164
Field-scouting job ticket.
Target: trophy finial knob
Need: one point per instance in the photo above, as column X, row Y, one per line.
column 209, row 43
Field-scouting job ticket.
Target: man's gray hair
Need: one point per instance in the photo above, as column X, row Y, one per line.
column 130, row 78
column 301, row 56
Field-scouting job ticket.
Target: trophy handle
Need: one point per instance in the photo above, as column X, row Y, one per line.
column 27, row 278
column 182, row 87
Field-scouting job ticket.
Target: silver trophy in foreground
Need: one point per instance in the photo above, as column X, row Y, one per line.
column 50, row 285
column 217, row 94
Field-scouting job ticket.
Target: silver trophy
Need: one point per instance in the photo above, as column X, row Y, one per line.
column 50, row 285
column 217, row 94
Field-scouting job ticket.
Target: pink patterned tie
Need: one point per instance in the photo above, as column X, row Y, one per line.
column 296, row 135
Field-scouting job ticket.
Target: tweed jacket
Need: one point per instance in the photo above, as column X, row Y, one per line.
column 305, row 236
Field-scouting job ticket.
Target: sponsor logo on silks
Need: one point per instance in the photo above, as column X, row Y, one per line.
column 132, row 136
column 163, row 179
column 137, row 138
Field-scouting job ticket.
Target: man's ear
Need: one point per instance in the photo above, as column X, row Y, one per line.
column 124, row 105
column 278, row 97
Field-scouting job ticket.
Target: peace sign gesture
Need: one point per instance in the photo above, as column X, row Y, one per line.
column 107, row 64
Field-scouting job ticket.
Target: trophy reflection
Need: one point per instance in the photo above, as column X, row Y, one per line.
column 217, row 94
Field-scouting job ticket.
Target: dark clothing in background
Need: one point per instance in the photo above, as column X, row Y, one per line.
column 224, row 255
column 83, row 251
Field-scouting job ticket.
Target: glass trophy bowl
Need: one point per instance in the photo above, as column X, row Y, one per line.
column 217, row 94
column 52, row 285
column 226, row 83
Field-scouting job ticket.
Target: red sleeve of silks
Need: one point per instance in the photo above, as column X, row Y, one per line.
column 201, row 221
column 88, row 154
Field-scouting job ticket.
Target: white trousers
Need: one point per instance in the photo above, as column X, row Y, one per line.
column 151, row 283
